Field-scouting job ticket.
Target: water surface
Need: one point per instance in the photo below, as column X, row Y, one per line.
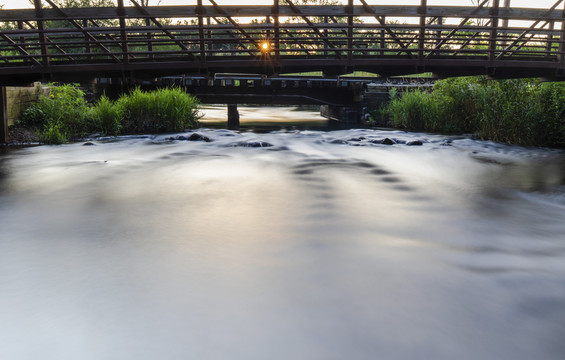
column 293, row 244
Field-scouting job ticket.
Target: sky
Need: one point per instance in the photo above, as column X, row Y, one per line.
column 18, row 4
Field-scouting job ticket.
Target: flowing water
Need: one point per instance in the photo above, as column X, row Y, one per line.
column 292, row 244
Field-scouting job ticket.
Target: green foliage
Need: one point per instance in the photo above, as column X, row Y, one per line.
column 523, row 111
column 60, row 116
column 65, row 114
column 163, row 110
column 107, row 116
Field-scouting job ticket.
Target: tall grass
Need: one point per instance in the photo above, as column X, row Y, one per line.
column 525, row 112
column 65, row 114
column 163, row 110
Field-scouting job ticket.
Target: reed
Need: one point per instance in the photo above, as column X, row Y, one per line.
column 519, row 111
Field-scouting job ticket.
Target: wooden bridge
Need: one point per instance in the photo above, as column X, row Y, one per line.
column 129, row 40
column 52, row 43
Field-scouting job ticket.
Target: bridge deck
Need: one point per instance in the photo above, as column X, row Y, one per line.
column 53, row 43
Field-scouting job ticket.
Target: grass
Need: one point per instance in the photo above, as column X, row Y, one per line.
column 519, row 111
column 65, row 114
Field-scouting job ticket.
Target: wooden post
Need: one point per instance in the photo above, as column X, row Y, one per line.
column 277, row 40
column 505, row 22
column 493, row 38
column 326, row 21
column 41, row 33
column 23, row 38
column 350, row 10
column 561, row 54
column 200, row 11
column 149, row 36
column 383, row 39
column 438, row 32
column 422, row 35
column 549, row 45
column 87, row 48
column 233, row 117
column 3, row 115
column 123, row 33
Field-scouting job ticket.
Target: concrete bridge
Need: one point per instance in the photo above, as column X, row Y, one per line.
column 49, row 43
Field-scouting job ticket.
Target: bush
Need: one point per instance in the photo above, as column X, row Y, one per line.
column 523, row 111
column 65, row 114
column 163, row 110
column 60, row 116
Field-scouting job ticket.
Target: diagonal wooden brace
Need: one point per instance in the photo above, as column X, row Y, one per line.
column 313, row 27
column 162, row 28
column 84, row 31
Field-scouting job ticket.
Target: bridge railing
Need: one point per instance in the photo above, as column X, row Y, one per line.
column 207, row 35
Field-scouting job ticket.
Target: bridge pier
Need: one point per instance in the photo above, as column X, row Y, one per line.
column 233, row 117
column 3, row 115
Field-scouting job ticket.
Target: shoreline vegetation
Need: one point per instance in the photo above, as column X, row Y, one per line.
column 64, row 114
column 524, row 112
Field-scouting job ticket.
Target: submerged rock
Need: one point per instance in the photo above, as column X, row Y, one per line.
column 415, row 143
column 193, row 137
column 88, row 143
column 199, row 137
column 339, row 142
column 253, row 144
column 388, row 141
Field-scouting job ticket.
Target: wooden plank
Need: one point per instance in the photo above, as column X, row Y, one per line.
column 190, row 11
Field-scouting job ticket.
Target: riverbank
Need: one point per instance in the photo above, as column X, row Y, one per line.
column 519, row 111
column 64, row 115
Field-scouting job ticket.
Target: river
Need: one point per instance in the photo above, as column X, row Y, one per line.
column 288, row 244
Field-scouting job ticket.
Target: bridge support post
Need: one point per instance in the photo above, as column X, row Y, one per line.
column 233, row 117
column 3, row 116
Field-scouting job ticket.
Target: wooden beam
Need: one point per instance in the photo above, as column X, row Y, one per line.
column 234, row 38
column 201, row 34
column 381, row 19
column 50, row 42
column 350, row 10
column 493, row 37
column 190, row 11
column 454, row 31
column 312, row 26
column 3, row 115
column 277, row 39
column 123, row 32
column 542, row 18
column 235, row 24
column 161, row 27
column 561, row 51
column 422, row 32
column 41, row 32
column 73, row 22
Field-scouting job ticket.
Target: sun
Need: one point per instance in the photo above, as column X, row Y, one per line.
column 265, row 46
